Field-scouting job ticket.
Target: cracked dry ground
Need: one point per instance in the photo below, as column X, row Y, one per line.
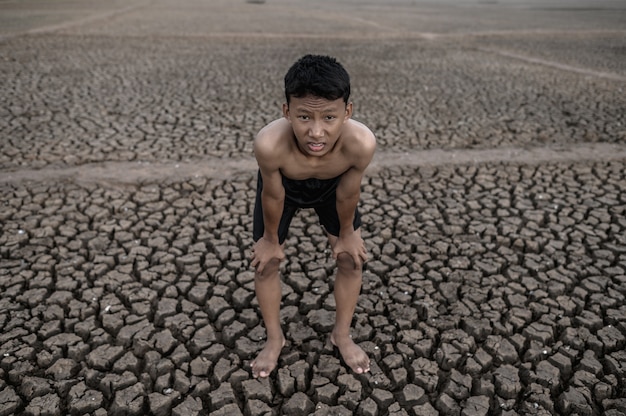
column 493, row 287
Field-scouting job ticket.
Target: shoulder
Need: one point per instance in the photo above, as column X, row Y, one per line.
column 271, row 141
column 273, row 133
column 360, row 142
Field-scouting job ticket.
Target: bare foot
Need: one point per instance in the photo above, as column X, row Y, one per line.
column 267, row 359
column 352, row 354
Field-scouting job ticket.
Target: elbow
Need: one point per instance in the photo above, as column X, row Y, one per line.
column 348, row 199
column 274, row 196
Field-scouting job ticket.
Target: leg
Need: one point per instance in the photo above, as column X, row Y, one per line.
column 347, row 289
column 268, row 293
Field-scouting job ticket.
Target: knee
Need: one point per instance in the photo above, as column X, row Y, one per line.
column 345, row 263
column 270, row 270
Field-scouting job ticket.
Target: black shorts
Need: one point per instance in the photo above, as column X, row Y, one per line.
column 319, row 194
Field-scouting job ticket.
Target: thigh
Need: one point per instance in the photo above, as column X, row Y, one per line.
column 258, row 226
column 329, row 219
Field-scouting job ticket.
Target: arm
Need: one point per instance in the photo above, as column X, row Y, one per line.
column 348, row 195
column 349, row 241
column 272, row 200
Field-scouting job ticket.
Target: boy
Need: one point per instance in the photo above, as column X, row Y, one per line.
column 313, row 157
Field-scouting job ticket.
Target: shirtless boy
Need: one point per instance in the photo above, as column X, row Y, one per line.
column 312, row 157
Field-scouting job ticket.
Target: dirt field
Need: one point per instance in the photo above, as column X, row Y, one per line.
column 494, row 211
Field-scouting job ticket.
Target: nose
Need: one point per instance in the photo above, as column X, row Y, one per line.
column 316, row 131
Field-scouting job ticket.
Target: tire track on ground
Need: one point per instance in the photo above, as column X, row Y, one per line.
column 554, row 64
column 78, row 22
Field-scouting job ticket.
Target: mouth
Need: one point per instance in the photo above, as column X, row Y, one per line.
column 316, row 147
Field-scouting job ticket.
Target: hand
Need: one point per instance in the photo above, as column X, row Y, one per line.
column 352, row 244
column 265, row 251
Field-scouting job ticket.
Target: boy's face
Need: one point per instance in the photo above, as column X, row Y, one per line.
column 317, row 122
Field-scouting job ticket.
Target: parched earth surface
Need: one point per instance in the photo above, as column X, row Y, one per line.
column 494, row 212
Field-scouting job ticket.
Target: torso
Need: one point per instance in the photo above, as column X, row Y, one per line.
column 297, row 166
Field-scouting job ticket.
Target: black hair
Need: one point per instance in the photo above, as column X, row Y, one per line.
column 317, row 75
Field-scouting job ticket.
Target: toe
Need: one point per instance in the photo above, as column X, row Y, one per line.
column 366, row 367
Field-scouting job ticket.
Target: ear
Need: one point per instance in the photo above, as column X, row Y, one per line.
column 348, row 112
column 286, row 111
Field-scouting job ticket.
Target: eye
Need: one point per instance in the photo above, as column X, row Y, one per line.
column 330, row 118
column 304, row 118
